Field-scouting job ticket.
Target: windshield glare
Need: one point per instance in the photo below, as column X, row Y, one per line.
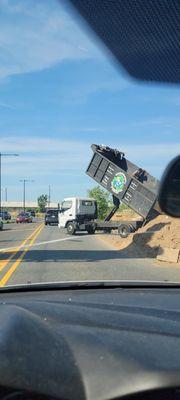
column 71, row 211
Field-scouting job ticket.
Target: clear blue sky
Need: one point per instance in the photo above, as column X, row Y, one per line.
column 60, row 92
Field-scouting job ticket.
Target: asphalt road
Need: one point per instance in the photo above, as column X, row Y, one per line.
column 34, row 253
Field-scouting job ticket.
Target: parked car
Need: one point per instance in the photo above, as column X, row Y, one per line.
column 51, row 217
column 24, row 217
column 5, row 215
column 1, row 224
column 32, row 213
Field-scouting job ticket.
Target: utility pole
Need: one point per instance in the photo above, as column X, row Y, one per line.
column 24, row 181
column 4, row 155
column 6, row 194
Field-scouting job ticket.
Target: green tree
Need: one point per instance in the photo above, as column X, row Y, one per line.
column 42, row 202
column 102, row 198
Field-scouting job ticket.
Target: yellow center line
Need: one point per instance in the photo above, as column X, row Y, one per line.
column 12, row 269
column 14, row 251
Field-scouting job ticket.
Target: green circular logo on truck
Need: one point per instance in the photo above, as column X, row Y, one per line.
column 118, row 183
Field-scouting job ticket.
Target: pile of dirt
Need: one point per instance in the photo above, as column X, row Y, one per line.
column 161, row 232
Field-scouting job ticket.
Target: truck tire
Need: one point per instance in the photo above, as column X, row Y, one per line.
column 71, row 228
column 124, row 230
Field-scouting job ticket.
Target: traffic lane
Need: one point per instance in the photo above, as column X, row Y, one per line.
column 84, row 257
column 60, row 257
column 13, row 256
column 13, row 234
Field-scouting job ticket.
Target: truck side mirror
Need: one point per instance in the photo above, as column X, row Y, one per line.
column 169, row 192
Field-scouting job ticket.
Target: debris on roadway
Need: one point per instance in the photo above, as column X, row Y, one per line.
column 151, row 241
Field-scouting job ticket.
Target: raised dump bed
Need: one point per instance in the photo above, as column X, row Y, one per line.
column 127, row 182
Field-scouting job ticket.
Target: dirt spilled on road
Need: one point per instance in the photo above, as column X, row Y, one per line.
column 161, row 233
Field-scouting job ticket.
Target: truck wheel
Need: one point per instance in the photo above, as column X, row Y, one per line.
column 91, row 230
column 124, row 230
column 71, row 228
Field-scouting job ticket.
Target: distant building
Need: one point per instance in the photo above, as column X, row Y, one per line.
column 18, row 205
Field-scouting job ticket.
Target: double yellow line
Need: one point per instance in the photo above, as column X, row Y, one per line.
column 31, row 239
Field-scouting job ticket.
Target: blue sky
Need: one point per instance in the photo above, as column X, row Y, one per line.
column 60, row 92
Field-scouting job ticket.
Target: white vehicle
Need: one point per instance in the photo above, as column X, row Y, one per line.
column 80, row 214
column 77, row 213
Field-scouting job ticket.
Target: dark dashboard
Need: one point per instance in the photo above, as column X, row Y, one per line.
column 106, row 343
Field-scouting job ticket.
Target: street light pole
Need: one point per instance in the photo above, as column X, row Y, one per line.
column 24, row 191
column 4, row 155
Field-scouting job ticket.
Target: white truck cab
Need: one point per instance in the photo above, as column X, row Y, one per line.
column 77, row 213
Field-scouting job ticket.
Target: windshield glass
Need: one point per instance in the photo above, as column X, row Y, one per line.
column 66, row 205
column 61, row 93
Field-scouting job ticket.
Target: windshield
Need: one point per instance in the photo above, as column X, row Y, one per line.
column 89, row 213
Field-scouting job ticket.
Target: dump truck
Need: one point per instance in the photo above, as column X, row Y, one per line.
column 128, row 184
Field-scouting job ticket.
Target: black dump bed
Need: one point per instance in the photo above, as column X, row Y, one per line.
column 130, row 184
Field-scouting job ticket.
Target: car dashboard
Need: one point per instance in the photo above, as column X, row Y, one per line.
column 90, row 343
